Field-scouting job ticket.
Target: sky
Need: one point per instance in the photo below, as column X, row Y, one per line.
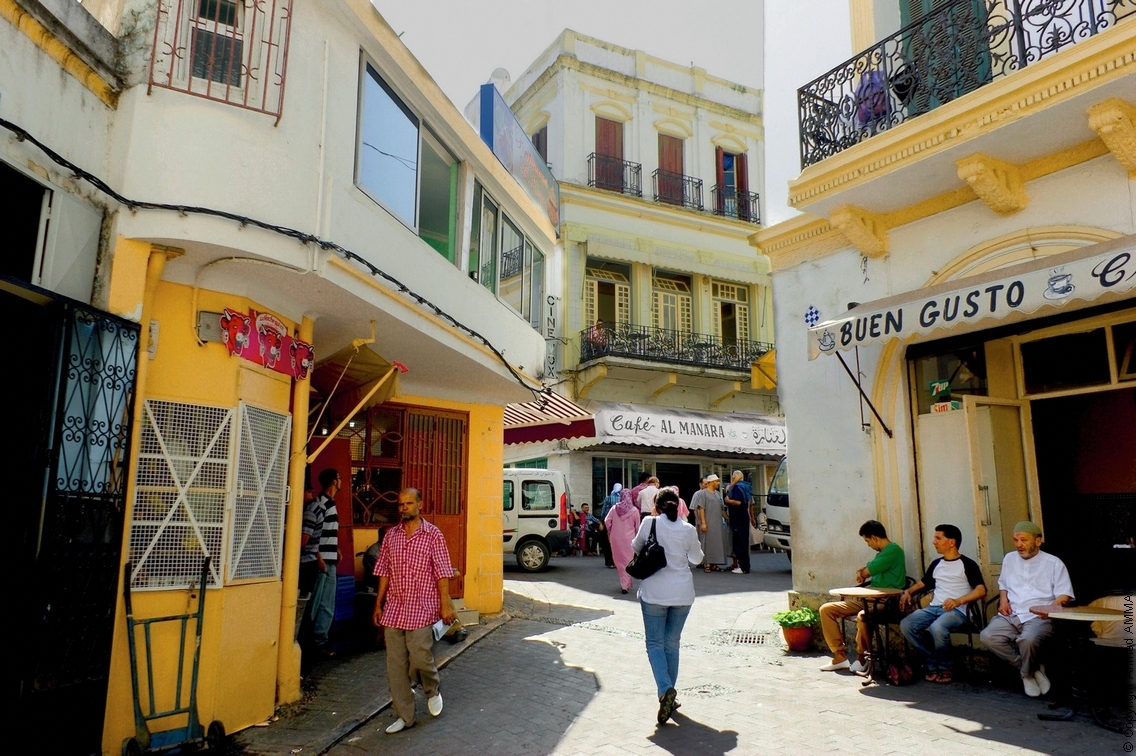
column 460, row 42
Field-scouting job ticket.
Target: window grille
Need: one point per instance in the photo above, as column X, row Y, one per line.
column 434, row 459
column 227, row 50
column 260, row 494
column 181, row 488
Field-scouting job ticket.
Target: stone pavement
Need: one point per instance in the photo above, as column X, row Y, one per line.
column 567, row 674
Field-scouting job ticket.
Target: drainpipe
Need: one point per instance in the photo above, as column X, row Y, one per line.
column 288, row 650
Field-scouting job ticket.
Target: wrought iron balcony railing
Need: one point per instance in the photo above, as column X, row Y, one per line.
column 677, row 189
column 731, row 203
column 941, row 56
column 674, row 347
column 615, row 175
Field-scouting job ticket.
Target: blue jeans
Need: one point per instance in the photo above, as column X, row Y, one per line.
column 322, row 605
column 663, row 627
column 938, row 623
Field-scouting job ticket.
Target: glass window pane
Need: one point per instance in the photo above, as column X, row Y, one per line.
column 388, row 149
column 437, row 212
column 965, row 369
column 488, row 274
column 475, row 232
column 507, row 496
column 1065, row 362
column 536, row 495
column 537, row 289
column 510, row 286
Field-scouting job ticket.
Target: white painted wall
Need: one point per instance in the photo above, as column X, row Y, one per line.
column 833, row 490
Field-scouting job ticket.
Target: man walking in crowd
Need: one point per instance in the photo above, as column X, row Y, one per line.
column 632, row 494
column 1030, row 577
column 319, row 546
column 956, row 581
column 646, row 497
column 414, row 593
column 740, row 515
column 605, row 539
column 887, row 570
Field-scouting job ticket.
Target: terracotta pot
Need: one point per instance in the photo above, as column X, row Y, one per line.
column 798, row 638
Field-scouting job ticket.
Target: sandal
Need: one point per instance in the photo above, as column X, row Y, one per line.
column 931, row 677
column 945, row 678
column 707, row 569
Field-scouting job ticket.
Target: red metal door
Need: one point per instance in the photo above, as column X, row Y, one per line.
column 434, row 462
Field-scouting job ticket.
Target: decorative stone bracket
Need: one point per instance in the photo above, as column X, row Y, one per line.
column 862, row 228
column 997, row 183
column 1114, row 120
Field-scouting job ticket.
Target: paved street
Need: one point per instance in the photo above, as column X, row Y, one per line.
column 568, row 675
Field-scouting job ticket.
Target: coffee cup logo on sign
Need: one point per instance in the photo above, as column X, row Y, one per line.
column 1060, row 284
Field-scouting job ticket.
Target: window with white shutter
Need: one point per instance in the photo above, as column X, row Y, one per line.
column 259, row 494
column 730, row 312
column 672, row 307
column 607, row 296
column 181, row 488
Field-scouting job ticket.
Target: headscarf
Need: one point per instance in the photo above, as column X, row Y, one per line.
column 626, row 504
column 617, row 488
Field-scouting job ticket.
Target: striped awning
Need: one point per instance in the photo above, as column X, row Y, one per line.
column 550, row 418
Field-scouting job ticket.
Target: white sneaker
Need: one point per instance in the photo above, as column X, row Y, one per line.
column 737, row 571
column 398, row 726
column 833, row 666
column 857, row 667
column 1033, row 690
column 1042, row 681
column 434, row 705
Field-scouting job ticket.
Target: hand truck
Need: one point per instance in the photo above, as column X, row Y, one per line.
column 145, row 741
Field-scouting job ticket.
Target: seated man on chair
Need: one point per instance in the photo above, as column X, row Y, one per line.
column 887, row 570
column 1030, row 577
column 956, row 581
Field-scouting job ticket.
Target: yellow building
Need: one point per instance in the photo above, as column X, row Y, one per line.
column 223, row 230
column 964, row 246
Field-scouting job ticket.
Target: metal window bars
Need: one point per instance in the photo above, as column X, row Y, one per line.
column 677, row 189
column 670, row 346
column 941, row 56
column 615, row 175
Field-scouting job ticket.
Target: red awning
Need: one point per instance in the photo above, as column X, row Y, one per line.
column 549, row 419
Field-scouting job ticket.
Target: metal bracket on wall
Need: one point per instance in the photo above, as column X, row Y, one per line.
column 860, row 388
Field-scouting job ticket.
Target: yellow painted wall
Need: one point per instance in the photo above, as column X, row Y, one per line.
column 484, row 566
column 237, row 679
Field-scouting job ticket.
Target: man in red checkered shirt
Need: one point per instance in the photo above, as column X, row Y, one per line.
column 414, row 592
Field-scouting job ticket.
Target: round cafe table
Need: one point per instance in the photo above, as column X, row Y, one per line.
column 876, row 601
column 1078, row 645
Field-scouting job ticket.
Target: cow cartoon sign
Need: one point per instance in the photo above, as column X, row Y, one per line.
column 264, row 339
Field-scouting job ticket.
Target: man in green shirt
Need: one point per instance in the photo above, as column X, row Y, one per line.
column 887, row 570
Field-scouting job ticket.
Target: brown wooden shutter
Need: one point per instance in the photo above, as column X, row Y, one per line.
column 741, row 176
column 609, row 138
column 670, row 154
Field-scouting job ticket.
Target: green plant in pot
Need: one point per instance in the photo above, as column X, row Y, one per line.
column 797, row 626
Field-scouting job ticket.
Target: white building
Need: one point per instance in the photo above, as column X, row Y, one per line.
column 660, row 167
column 963, row 216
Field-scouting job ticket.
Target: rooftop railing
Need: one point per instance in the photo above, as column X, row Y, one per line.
column 955, row 49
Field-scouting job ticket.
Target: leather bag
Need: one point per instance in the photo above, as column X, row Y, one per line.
column 650, row 559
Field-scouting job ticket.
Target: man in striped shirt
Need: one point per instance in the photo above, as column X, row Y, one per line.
column 414, row 592
column 321, row 526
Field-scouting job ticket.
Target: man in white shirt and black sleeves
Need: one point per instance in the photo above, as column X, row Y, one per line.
column 1030, row 577
column 956, row 581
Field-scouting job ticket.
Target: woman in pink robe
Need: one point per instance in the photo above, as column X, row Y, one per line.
column 622, row 523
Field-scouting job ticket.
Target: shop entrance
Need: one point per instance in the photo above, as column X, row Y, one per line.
column 1086, row 459
column 685, row 476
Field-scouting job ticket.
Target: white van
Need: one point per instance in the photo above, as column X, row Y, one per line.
column 777, row 510
column 535, row 516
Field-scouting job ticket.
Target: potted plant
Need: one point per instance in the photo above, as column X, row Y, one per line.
column 797, row 626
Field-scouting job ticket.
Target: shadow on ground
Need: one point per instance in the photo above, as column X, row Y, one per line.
column 493, row 704
column 683, row 736
column 769, row 571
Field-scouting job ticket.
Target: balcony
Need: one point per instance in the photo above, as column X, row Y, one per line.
column 940, row 57
column 729, row 202
column 670, row 347
column 615, row 175
column 677, row 189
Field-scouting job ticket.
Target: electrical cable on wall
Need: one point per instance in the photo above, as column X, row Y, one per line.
column 303, row 237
